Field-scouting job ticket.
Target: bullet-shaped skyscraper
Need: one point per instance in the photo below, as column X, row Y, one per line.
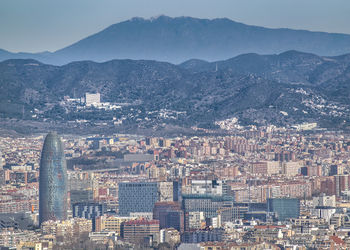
column 52, row 180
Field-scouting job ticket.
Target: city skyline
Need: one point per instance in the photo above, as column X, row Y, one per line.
column 267, row 183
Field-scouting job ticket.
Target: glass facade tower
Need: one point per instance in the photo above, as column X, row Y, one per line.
column 137, row 197
column 52, row 180
column 284, row 208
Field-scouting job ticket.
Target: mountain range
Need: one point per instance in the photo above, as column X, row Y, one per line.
column 179, row 39
column 286, row 88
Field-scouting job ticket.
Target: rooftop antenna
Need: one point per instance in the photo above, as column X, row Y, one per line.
column 249, row 200
column 267, row 198
column 268, row 202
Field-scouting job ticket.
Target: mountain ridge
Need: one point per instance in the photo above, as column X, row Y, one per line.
column 293, row 87
column 179, row 39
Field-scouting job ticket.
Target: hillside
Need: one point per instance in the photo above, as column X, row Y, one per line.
column 288, row 88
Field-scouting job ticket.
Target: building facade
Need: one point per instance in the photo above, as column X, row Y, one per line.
column 91, row 98
column 89, row 211
column 137, row 230
column 284, row 208
column 169, row 215
column 137, row 197
column 52, row 180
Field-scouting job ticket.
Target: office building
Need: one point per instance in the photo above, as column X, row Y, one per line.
column 1, row 160
column 137, row 197
column 52, row 180
column 81, row 196
column 229, row 214
column 2, row 172
column 169, row 215
column 138, row 230
column 209, row 204
column 284, row 208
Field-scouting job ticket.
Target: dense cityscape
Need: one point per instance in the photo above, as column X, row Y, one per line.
column 174, row 125
column 254, row 188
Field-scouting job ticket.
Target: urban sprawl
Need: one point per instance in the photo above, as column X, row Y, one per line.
column 253, row 188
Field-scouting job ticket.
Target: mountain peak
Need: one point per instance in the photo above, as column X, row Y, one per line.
column 136, row 19
column 177, row 39
column 160, row 18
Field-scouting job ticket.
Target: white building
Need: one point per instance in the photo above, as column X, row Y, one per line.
column 92, row 98
column 212, row 187
column 324, row 201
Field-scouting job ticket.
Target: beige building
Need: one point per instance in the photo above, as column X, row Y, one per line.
column 166, row 191
column 34, row 245
column 196, row 220
column 291, row 168
column 136, row 230
column 111, row 223
column 66, row 228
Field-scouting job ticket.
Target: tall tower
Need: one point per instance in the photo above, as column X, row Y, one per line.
column 2, row 173
column 52, row 180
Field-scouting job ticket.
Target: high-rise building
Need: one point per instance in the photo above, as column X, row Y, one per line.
column 137, row 197
column 284, row 208
column 341, row 183
column 2, row 172
column 1, row 161
column 169, row 215
column 52, row 180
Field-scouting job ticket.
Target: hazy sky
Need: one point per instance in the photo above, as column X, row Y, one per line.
column 39, row 25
